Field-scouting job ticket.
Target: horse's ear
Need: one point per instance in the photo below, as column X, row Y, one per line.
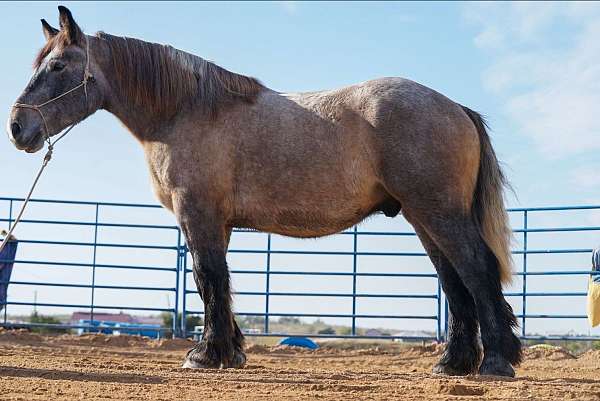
column 49, row 30
column 68, row 24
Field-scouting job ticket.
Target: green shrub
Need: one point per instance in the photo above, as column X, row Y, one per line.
column 326, row 330
column 191, row 321
column 250, row 322
column 289, row 320
column 41, row 319
column 346, row 331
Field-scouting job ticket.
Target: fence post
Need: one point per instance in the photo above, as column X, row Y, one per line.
column 439, row 312
column 446, row 319
column 524, row 289
column 94, row 264
column 177, row 274
column 354, row 261
column 10, row 210
column 184, row 299
column 267, row 284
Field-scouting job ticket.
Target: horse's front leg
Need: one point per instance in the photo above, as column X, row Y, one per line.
column 207, row 238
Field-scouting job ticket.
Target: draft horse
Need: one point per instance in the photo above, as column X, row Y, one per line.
column 225, row 151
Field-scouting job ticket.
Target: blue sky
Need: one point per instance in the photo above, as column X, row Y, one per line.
column 532, row 68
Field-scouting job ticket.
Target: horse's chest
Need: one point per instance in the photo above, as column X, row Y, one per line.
column 158, row 167
column 161, row 191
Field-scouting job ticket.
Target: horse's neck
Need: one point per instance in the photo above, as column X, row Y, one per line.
column 144, row 122
column 134, row 117
column 140, row 122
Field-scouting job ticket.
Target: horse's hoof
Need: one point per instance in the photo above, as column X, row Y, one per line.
column 496, row 365
column 453, row 363
column 447, row 370
column 238, row 360
column 191, row 364
column 197, row 361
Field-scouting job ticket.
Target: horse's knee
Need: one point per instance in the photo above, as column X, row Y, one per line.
column 210, row 271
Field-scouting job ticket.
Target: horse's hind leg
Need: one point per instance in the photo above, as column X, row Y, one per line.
column 458, row 238
column 463, row 353
column 207, row 238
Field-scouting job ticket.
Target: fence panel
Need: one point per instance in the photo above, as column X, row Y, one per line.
column 553, row 258
column 91, row 258
column 335, row 281
column 369, row 282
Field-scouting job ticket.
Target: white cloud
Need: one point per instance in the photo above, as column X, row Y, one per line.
column 586, row 177
column 491, row 38
column 545, row 66
column 290, row 7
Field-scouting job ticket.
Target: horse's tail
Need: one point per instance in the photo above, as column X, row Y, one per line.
column 488, row 208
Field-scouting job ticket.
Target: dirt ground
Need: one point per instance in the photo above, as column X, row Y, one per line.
column 96, row 367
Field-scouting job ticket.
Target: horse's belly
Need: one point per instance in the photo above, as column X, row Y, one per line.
column 315, row 220
column 302, row 225
column 321, row 199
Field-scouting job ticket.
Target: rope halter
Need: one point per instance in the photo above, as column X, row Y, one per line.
column 87, row 77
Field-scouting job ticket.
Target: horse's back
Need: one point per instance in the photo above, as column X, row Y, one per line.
column 395, row 109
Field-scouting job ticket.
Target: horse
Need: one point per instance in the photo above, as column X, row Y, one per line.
column 224, row 151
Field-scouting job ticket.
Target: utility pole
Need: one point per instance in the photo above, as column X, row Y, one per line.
column 35, row 302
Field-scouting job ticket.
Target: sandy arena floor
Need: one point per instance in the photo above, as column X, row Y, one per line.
column 95, row 367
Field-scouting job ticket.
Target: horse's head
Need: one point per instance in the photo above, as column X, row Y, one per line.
column 63, row 89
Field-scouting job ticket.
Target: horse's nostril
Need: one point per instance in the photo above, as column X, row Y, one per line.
column 15, row 129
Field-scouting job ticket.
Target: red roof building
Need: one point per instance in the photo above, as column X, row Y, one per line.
column 105, row 317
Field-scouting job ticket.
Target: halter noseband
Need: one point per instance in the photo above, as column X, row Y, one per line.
column 87, row 77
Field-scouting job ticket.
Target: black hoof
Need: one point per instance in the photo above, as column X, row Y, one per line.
column 459, row 363
column 448, row 370
column 457, row 366
column 202, row 357
column 496, row 365
column 238, row 360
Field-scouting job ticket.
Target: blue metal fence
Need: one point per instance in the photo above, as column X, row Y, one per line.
column 525, row 232
column 92, row 225
column 178, row 269
column 268, row 294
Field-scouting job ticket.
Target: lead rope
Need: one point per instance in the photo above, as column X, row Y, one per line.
column 87, row 76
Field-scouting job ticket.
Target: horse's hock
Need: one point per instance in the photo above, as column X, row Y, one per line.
column 112, row 368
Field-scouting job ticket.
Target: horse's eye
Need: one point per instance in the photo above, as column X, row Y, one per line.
column 57, row 66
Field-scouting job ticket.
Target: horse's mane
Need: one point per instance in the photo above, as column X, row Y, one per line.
column 164, row 79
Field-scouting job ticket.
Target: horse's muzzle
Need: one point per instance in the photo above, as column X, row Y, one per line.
column 27, row 137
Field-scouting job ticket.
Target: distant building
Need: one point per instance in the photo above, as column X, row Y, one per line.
column 373, row 333
column 117, row 324
column 148, row 320
column 76, row 317
column 412, row 333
